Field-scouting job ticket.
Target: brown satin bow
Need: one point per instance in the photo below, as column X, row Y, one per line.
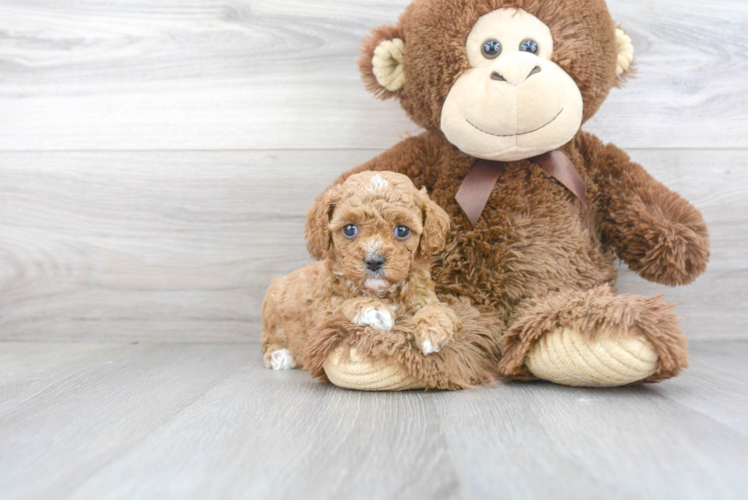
column 483, row 175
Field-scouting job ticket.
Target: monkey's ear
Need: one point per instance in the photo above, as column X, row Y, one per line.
column 317, row 229
column 435, row 226
column 624, row 64
column 381, row 62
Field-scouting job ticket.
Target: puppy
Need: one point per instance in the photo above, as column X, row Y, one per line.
column 373, row 237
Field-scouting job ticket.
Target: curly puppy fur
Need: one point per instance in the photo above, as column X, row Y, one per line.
column 343, row 293
column 536, row 255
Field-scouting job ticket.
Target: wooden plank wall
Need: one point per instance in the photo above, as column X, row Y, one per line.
column 156, row 157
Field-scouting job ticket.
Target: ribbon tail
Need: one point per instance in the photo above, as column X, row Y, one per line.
column 560, row 167
column 476, row 188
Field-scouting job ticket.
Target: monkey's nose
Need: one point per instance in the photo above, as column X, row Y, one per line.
column 514, row 78
column 374, row 262
column 496, row 76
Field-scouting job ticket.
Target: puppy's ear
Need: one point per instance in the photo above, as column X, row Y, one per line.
column 435, row 226
column 317, row 229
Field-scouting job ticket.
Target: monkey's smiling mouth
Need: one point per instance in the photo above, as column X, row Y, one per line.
column 516, row 135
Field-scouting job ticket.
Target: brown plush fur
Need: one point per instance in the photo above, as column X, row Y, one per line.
column 536, row 256
column 340, row 289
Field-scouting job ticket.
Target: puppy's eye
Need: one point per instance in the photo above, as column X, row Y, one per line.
column 350, row 231
column 491, row 49
column 401, row 232
column 529, row 45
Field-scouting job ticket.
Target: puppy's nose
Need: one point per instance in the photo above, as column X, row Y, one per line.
column 374, row 262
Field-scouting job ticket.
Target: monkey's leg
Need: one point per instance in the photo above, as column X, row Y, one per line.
column 594, row 338
column 368, row 359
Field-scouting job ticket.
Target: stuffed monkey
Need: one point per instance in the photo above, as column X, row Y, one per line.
column 539, row 208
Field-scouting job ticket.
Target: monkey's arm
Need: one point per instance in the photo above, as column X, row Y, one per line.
column 655, row 231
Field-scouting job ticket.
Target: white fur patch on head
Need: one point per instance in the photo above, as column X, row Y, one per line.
column 374, row 318
column 282, row 360
column 378, row 182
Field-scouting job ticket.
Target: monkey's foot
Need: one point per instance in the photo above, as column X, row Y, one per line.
column 566, row 357
column 594, row 338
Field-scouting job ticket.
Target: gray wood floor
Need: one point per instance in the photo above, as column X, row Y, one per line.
column 207, row 421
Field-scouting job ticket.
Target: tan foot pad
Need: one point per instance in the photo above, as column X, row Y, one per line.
column 365, row 374
column 566, row 357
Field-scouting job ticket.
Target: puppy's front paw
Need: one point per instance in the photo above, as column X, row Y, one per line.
column 431, row 341
column 375, row 318
column 434, row 330
column 428, row 347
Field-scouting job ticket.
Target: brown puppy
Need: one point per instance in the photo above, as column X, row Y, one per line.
column 375, row 234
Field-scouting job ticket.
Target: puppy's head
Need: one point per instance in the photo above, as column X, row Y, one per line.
column 373, row 227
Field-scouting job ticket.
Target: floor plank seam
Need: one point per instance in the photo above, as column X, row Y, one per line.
column 431, row 406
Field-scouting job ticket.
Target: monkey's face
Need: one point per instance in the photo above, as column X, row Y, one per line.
column 514, row 102
column 502, row 79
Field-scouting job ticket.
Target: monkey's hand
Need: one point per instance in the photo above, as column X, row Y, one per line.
column 666, row 242
column 654, row 230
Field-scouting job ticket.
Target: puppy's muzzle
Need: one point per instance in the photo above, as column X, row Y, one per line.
column 374, row 263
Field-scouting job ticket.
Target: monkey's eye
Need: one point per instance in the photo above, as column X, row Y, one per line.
column 401, row 232
column 491, row 49
column 350, row 231
column 530, row 46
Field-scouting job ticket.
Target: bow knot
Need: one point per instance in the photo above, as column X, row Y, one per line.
column 480, row 180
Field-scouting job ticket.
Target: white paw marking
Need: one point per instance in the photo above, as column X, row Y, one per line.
column 282, row 360
column 374, row 318
column 427, row 347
